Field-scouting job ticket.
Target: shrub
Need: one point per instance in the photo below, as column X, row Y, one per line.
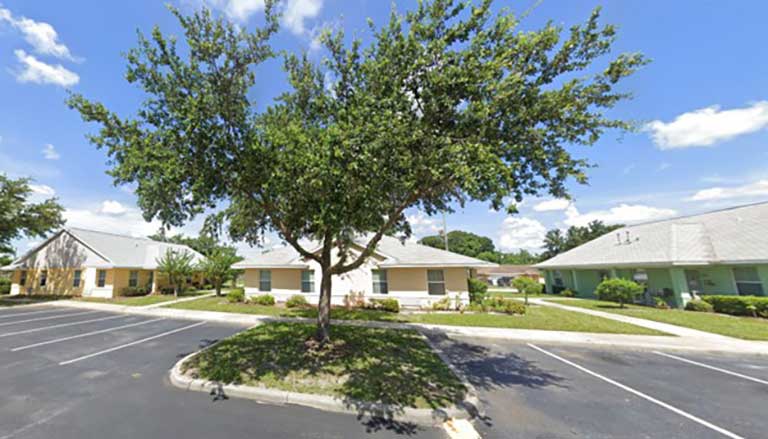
column 296, row 301
column 502, row 304
column 477, row 290
column 567, row 293
column 388, row 305
column 5, row 285
column 133, row 292
column 527, row 286
column 699, row 306
column 264, row 299
column 167, row 290
column 660, row 303
column 443, row 304
column 354, row 299
column 236, row 295
column 620, row 291
column 738, row 305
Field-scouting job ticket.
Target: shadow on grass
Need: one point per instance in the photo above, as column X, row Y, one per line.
column 345, row 314
column 377, row 372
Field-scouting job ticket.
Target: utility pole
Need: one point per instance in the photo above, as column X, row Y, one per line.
column 445, row 233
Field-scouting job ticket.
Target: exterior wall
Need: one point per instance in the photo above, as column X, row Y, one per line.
column 59, row 281
column 407, row 285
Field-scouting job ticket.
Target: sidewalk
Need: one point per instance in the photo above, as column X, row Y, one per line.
column 681, row 342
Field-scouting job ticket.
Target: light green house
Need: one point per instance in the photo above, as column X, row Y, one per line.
column 721, row 252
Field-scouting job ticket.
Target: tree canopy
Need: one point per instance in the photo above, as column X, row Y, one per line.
column 20, row 217
column 448, row 103
column 555, row 242
column 205, row 243
column 477, row 246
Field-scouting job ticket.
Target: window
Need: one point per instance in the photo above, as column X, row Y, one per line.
column 23, row 280
column 307, row 281
column 558, row 277
column 43, row 278
column 435, row 282
column 380, row 282
column 265, row 280
column 151, row 280
column 748, row 282
column 693, row 280
column 133, row 279
column 78, row 276
column 101, row 278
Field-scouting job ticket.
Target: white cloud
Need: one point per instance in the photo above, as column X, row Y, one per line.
column 237, row 10
column 621, row 214
column 663, row 166
column 521, row 233
column 422, row 225
column 555, row 204
column 39, row 72
column 707, row 126
column 111, row 207
column 43, row 190
column 755, row 189
column 41, row 36
column 50, row 153
column 296, row 12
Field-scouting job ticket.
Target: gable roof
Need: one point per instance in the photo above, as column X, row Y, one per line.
column 738, row 235
column 118, row 251
column 392, row 252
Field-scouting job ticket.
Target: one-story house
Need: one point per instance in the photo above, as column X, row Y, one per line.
column 503, row 275
column 720, row 252
column 90, row 263
column 414, row 274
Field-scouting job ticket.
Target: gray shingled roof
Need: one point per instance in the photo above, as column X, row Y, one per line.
column 121, row 251
column 735, row 235
column 394, row 252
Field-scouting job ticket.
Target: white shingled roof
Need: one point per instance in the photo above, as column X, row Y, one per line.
column 737, row 235
column 119, row 251
column 392, row 251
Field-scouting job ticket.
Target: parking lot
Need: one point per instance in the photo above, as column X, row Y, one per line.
column 558, row 391
column 72, row 374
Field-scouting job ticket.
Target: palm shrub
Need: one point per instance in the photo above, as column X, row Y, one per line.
column 527, row 286
column 217, row 267
column 177, row 265
column 620, row 291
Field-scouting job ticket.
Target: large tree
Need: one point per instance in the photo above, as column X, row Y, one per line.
column 465, row 243
column 448, row 103
column 20, row 217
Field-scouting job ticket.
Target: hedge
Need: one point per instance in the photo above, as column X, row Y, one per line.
column 739, row 305
column 236, row 295
column 699, row 306
column 388, row 305
column 264, row 299
column 133, row 292
column 5, row 285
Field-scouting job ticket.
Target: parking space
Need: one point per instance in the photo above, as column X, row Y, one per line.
column 70, row 373
column 558, row 391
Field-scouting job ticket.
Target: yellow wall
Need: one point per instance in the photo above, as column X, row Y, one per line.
column 282, row 278
column 60, row 281
column 415, row 279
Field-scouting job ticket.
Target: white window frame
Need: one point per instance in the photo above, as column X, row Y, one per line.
column 133, row 279
column 101, row 281
column 308, row 284
column 77, row 279
column 382, row 283
column 757, row 282
column 265, row 279
column 441, row 282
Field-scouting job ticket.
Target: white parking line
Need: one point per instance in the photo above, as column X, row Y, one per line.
column 663, row 404
column 22, row 314
column 127, row 345
column 40, row 319
column 707, row 366
column 87, row 334
column 61, row 325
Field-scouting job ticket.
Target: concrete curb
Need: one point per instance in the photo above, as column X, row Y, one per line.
column 427, row 417
column 25, row 306
column 182, row 300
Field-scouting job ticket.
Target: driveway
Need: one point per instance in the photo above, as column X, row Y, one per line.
column 558, row 391
column 73, row 373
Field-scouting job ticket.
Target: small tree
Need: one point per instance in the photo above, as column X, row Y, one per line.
column 620, row 291
column 177, row 265
column 217, row 267
column 527, row 286
column 477, row 290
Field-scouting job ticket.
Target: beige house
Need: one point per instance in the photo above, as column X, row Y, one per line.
column 88, row 263
column 414, row 274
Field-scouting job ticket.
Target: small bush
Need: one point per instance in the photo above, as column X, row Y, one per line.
column 501, row 304
column 296, row 301
column 5, row 285
column 354, row 299
column 443, row 304
column 738, row 305
column 133, row 292
column 620, row 291
column 527, row 286
column 388, row 305
column 264, row 299
column 166, row 290
column 567, row 293
column 477, row 290
column 699, row 306
column 236, row 295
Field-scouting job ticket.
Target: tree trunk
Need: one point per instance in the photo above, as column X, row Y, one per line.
column 324, row 308
column 218, row 289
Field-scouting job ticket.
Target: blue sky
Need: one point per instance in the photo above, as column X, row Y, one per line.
column 703, row 102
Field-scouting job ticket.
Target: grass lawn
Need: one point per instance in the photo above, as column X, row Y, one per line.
column 141, row 300
column 362, row 364
column 537, row 317
column 8, row 300
column 740, row 327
